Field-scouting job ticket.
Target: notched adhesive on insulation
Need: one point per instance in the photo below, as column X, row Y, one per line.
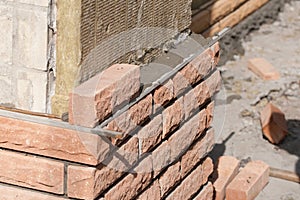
column 123, row 31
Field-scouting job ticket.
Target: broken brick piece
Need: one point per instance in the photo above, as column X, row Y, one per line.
column 273, row 123
column 249, row 182
column 228, row 168
column 263, row 69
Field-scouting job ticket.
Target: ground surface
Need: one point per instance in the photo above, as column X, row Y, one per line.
column 238, row 106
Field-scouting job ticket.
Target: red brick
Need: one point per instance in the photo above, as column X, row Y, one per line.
column 197, row 152
column 133, row 117
column 207, row 192
column 169, row 178
column 263, row 69
column 182, row 139
column 151, row 134
column 215, row 50
column 97, row 98
column 273, row 123
column 210, row 113
column 161, row 157
column 132, row 184
column 193, row 72
column 52, row 141
column 203, row 64
column 249, row 182
column 89, row 182
column 15, row 193
column 180, row 84
column 191, row 184
column 31, row 172
column 208, row 88
column 191, row 104
column 164, row 93
column 151, row 193
column 172, row 117
column 128, row 154
column 227, row 169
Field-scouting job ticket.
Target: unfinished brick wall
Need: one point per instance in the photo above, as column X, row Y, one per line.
column 162, row 153
column 94, row 34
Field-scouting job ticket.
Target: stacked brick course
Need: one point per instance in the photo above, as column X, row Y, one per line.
column 162, row 154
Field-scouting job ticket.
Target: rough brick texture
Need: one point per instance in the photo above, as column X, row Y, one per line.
column 197, row 152
column 151, row 134
column 206, row 193
column 181, row 141
column 193, row 182
column 170, row 178
column 249, row 182
column 151, row 193
column 194, row 71
column 133, row 117
column 172, row 116
column 227, row 169
column 36, row 173
column 133, row 183
column 88, row 182
column 164, row 93
column 95, row 99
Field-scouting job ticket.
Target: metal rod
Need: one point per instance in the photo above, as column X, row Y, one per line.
column 57, row 123
column 164, row 78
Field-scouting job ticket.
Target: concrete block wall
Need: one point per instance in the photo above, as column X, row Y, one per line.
column 23, row 53
column 162, row 154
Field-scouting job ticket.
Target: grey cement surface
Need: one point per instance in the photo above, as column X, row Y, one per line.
column 244, row 95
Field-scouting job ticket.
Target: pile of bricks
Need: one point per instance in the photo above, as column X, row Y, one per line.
column 162, row 154
column 237, row 183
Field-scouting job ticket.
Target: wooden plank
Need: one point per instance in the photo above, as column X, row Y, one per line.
column 210, row 15
column 235, row 17
column 285, row 175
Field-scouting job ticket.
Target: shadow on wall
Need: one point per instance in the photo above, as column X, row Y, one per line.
column 292, row 142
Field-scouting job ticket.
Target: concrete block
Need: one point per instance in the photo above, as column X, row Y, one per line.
column 6, row 32
column 31, row 90
column 30, row 42
column 43, row 3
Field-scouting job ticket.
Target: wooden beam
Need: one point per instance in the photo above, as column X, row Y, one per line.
column 214, row 12
column 235, row 17
column 285, row 175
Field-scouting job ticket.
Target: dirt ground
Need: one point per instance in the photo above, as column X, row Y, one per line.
column 244, row 95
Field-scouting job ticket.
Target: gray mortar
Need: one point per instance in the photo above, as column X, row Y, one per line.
column 231, row 44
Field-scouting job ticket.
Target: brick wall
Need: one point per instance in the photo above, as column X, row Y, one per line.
column 23, row 54
column 161, row 154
